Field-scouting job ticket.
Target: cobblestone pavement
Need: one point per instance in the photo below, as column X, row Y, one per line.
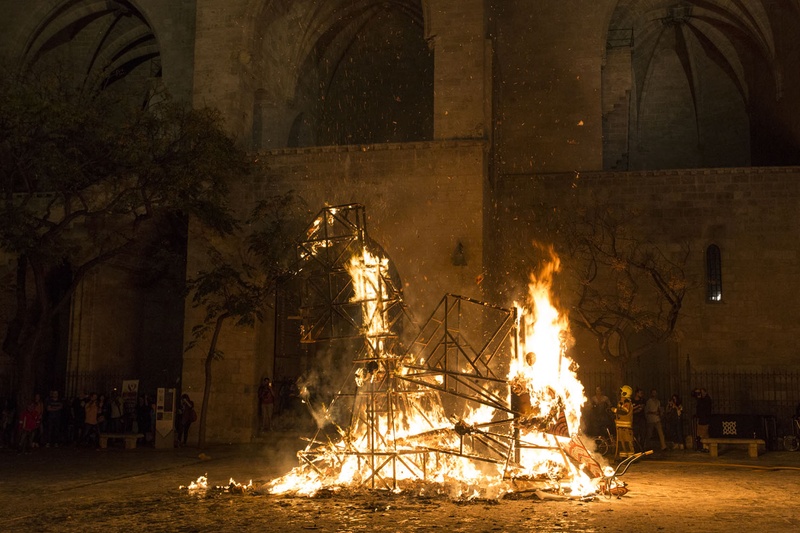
column 68, row 489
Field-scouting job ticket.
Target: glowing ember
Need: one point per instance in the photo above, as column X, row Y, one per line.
column 201, row 486
column 421, row 424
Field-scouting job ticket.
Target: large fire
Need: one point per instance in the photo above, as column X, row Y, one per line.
column 425, row 425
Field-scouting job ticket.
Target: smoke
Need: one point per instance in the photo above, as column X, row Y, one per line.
column 307, row 384
column 280, row 457
column 332, row 376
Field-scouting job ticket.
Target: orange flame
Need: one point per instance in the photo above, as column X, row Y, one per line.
column 402, row 433
column 543, row 376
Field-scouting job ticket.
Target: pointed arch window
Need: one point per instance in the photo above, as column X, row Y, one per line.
column 713, row 274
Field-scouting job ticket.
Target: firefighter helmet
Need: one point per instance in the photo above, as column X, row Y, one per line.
column 625, row 391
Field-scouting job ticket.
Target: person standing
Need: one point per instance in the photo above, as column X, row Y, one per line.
column 116, row 412
column 7, row 421
column 703, row 411
column 143, row 418
column 266, row 402
column 624, row 423
column 76, row 418
column 91, row 434
column 673, row 419
column 38, row 433
column 188, row 415
column 601, row 405
column 54, row 419
column 103, row 416
column 653, row 413
column 29, row 421
column 639, row 418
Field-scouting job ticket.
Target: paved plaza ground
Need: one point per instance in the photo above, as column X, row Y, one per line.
column 69, row 489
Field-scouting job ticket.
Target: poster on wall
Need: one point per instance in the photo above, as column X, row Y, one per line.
column 165, row 415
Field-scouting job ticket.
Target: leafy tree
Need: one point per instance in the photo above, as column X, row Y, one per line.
column 84, row 180
column 242, row 274
column 627, row 286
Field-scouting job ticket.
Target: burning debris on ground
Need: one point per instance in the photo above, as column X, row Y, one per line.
column 200, row 487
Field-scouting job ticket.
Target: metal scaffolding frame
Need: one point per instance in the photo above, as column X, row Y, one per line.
column 328, row 312
column 444, row 351
column 458, row 360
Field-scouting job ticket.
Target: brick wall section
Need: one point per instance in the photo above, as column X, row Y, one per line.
column 616, row 96
column 18, row 22
column 617, row 79
column 457, row 28
column 232, row 409
column 121, row 328
column 676, row 131
column 751, row 214
column 420, row 200
column 550, row 54
column 220, row 39
column 174, row 26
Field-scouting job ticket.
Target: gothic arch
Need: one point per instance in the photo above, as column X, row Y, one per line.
column 360, row 72
column 687, row 83
column 102, row 44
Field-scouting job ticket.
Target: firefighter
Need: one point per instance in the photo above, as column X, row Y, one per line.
column 623, row 421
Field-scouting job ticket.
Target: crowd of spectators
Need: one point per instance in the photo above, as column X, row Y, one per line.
column 78, row 421
column 650, row 418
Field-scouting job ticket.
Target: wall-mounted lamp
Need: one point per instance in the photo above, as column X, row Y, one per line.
column 459, row 258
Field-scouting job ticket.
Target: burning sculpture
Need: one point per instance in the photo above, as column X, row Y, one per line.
column 482, row 402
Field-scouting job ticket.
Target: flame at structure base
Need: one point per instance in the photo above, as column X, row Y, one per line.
column 463, row 417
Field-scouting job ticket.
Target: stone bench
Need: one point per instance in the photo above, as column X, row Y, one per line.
column 752, row 445
column 130, row 439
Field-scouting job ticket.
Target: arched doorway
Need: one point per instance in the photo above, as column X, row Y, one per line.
column 362, row 74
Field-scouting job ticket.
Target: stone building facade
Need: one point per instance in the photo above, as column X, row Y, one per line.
column 462, row 121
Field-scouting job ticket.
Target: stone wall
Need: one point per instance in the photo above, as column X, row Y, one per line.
column 751, row 214
column 220, row 58
column 174, row 26
column 462, row 68
column 421, row 200
column 548, row 57
column 120, row 326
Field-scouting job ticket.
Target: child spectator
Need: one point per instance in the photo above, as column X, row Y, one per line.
column 28, row 423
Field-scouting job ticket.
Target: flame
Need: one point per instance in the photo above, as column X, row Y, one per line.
column 540, row 366
column 401, row 433
column 200, row 485
column 368, row 272
column 543, row 376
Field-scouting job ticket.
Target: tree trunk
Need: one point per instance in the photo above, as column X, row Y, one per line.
column 210, row 356
column 37, row 320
